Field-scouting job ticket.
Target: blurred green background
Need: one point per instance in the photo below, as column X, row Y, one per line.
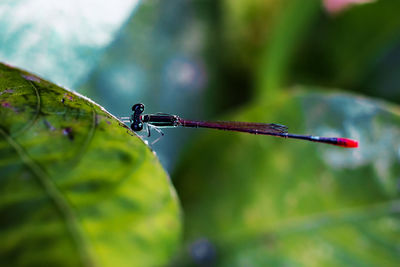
column 249, row 200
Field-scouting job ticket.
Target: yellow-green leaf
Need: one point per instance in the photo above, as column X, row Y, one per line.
column 77, row 188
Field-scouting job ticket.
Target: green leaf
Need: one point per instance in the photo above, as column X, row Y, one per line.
column 78, row 188
column 269, row 201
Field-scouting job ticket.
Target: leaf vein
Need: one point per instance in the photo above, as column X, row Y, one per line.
column 30, row 123
column 58, row 199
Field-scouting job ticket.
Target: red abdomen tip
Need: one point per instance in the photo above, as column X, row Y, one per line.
column 344, row 142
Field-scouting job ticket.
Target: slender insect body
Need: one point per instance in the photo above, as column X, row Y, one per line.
column 161, row 120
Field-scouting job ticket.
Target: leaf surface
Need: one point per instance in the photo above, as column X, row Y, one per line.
column 77, row 187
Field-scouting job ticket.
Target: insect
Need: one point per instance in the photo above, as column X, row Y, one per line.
column 161, row 120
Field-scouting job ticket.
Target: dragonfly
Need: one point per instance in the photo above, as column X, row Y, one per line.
column 161, row 120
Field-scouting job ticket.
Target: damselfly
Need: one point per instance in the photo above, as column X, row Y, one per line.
column 161, row 120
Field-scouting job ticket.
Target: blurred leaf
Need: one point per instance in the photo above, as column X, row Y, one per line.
column 278, row 51
column 262, row 201
column 60, row 40
column 77, row 189
column 235, row 46
column 358, row 50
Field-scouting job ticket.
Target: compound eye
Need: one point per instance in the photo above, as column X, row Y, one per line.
column 138, row 108
column 137, row 126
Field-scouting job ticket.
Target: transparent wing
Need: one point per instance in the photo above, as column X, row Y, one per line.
column 249, row 127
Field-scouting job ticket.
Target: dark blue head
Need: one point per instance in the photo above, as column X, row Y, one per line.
column 138, row 108
column 137, row 123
